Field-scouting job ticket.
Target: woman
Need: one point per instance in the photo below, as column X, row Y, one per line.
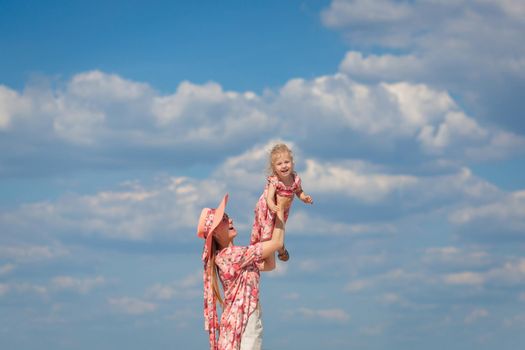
column 238, row 270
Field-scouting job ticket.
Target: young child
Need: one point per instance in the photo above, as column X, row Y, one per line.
column 282, row 186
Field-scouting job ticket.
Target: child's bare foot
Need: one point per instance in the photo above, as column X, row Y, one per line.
column 283, row 255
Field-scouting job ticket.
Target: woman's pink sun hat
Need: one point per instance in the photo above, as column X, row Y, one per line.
column 208, row 222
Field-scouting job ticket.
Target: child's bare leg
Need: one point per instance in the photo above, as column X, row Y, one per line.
column 285, row 203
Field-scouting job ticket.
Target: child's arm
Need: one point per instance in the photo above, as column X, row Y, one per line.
column 304, row 197
column 270, row 201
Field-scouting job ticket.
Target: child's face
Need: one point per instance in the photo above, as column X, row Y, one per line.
column 283, row 165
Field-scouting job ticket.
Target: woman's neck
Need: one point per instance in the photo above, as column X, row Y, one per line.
column 221, row 246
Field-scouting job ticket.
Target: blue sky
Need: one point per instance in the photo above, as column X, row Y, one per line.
column 120, row 121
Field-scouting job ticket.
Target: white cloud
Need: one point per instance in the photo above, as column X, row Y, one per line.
column 249, row 167
column 189, row 287
column 310, row 265
column 512, row 272
column 464, row 278
column 4, row 288
column 388, row 279
column 373, row 330
column 514, row 321
column 192, row 280
column 390, row 298
column 419, row 25
column 390, row 110
column 97, row 85
column 456, row 257
column 131, row 306
column 183, row 317
column 500, row 145
column 385, row 114
column 166, row 292
column 336, row 314
column 101, row 110
column 59, row 283
column 11, row 105
column 132, row 212
column 357, row 179
column 502, row 215
column 6, row 269
column 303, row 222
column 466, row 47
column 210, row 114
column 23, row 288
column 368, row 187
column 161, row 292
column 170, row 206
column 77, row 125
column 356, row 286
column 80, row 285
column 386, row 67
column 281, row 269
column 97, row 107
column 456, row 126
column 189, row 96
column 341, row 13
column 292, row 296
column 514, row 8
column 99, row 115
column 32, row 253
column 476, row 315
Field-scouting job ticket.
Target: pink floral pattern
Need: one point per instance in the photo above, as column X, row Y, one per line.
column 240, row 278
column 264, row 218
column 211, row 322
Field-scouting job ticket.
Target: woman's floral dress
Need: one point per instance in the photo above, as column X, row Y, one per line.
column 264, row 218
column 240, row 278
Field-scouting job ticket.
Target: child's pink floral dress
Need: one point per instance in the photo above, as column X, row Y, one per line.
column 240, row 278
column 264, row 218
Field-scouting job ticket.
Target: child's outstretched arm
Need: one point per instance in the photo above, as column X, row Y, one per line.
column 304, row 197
column 270, row 199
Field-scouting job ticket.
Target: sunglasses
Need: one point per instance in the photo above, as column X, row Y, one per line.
column 225, row 218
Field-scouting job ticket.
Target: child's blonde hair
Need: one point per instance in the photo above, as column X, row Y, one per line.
column 275, row 151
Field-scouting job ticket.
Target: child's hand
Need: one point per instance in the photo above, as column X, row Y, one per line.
column 308, row 199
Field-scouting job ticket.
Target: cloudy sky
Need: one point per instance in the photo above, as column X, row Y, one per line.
column 119, row 121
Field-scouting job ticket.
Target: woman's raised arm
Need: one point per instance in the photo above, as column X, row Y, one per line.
column 277, row 240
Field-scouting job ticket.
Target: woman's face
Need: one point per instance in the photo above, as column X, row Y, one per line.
column 225, row 231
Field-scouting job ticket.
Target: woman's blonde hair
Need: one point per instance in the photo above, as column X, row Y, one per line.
column 214, row 273
column 274, row 152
